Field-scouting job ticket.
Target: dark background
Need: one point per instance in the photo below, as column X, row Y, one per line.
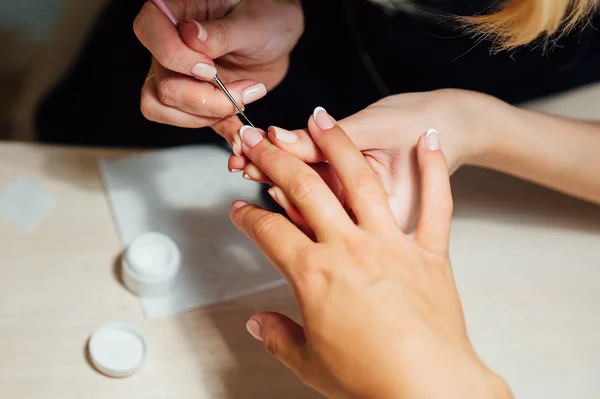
column 97, row 102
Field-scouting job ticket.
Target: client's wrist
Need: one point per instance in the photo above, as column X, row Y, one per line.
column 490, row 119
column 496, row 126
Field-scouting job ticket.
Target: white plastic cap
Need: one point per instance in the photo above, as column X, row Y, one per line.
column 151, row 264
column 117, row 349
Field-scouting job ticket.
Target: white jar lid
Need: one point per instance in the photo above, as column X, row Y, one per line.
column 117, row 349
column 151, row 264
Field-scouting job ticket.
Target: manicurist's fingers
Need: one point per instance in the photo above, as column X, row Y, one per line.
column 203, row 98
column 154, row 110
column 161, row 37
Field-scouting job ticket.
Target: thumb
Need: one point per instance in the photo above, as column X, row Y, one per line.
column 219, row 37
column 435, row 216
column 282, row 337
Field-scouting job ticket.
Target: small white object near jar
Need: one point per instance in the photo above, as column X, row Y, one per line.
column 117, row 350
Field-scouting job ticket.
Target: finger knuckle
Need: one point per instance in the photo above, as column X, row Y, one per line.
column 146, row 108
column 316, row 268
column 303, row 187
column 139, row 23
column 272, row 344
column 267, row 224
column 168, row 93
column 220, row 32
column 223, row 107
column 365, row 183
column 166, row 57
column 266, row 155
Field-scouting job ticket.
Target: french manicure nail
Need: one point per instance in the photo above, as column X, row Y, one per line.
column 246, row 176
column 250, row 136
column 253, row 328
column 204, row 71
column 285, row 136
column 432, row 140
column 253, row 93
column 236, row 149
column 272, row 194
column 238, row 204
column 201, row 32
column 323, row 119
column 235, row 170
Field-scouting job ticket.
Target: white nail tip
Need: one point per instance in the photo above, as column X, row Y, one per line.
column 317, row 110
column 243, row 129
column 431, row 131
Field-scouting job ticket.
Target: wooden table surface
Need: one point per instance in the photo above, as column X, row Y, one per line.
column 527, row 263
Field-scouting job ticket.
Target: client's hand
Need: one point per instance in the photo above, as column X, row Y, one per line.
column 381, row 316
column 386, row 133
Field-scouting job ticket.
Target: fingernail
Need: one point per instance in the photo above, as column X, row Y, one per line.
column 204, row 71
column 201, row 32
column 235, row 170
column 432, row 140
column 250, row 136
column 253, row 93
column 285, row 136
column 273, row 194
column 323, row 119
column 236, row 149
column 246, row 176
column 253, row 328
column 238, row 204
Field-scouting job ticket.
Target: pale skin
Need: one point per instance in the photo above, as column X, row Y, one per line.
column 477, row 130
column 248, row 42
column 345, row 348
column 381, row 316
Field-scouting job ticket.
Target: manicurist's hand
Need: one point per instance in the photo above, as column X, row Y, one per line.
column 381, row 316
column 247, row 42
column 387, row 132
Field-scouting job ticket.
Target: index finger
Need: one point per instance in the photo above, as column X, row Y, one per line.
column 277, row 238
column 161, row 37
column 363, row 189
column 302, row 184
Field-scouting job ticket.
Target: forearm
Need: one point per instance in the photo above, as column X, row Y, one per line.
column 559, row 153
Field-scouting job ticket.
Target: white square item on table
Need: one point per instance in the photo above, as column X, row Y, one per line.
column 186, row 194
column 25, row 202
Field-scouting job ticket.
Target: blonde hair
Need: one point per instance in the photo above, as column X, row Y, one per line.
column 519, row 22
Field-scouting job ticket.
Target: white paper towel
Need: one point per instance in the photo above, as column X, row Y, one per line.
column 186, row 193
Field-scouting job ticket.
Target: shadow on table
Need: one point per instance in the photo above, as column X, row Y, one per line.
column 486, row 195
column 237, row 365
column 248, row 372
